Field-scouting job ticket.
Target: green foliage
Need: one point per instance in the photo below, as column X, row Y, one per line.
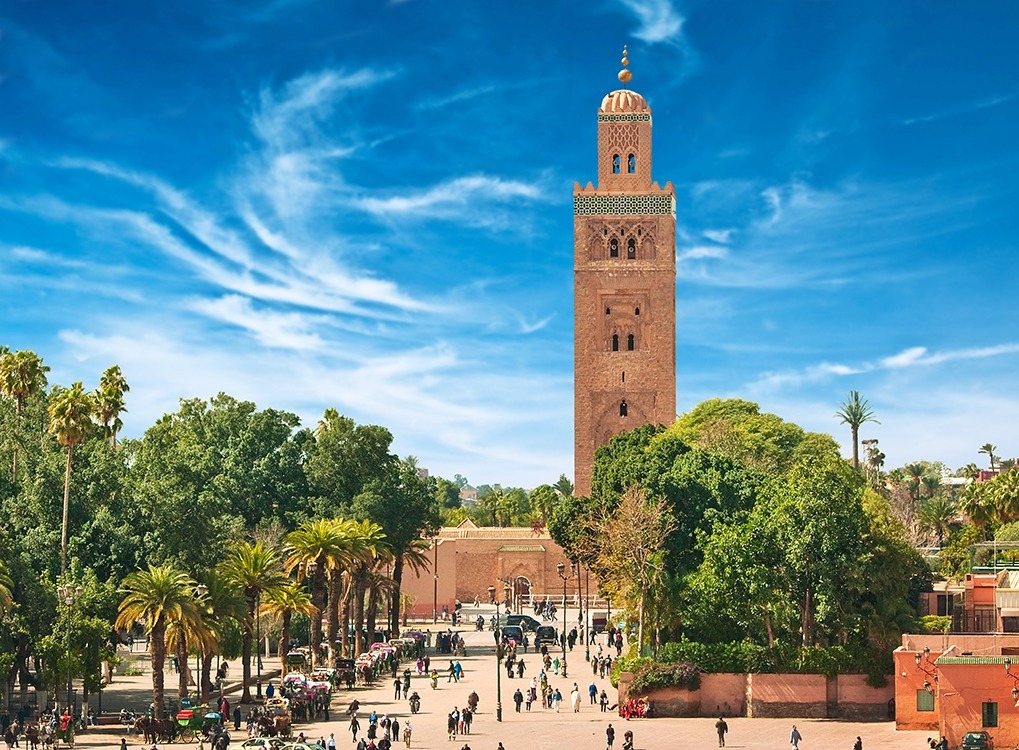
column 654, row 675
column 936, row 623
column 738, row 657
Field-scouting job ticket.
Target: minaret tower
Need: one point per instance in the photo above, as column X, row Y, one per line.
column 624, row 285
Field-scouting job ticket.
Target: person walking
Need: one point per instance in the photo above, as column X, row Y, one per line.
column 592, row 693
column 331, row 742
column 355, row 725
column 407, row 731
column 397, row 687
column 518, row 699
column 603, row 701
column 795, row 737
column 610, row 736
column 575, row 698
column 721, row 727
column 451, row 722
column 858, row 745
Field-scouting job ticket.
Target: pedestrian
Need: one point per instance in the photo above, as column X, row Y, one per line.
column 237, row 718
column 407, row 730
column 557, row 700
column 721, row 727
column 451, row 722
column 610, row 736
column 123, row 744
column 355, row 725
column 592, row 693
column 858, row 745
column 603, row 701
column 270, row 690
column 795, row 737
column 518, row 699
column 331, row 742
column 398, row 686
column 575, row 698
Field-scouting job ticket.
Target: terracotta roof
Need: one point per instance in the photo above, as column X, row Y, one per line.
column 624, row 100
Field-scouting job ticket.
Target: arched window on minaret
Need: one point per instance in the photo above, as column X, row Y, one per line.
column 615, row 342
column 615, row 163
column 622, row 409
column 636, row 311
column 629, row 342
column 631, row 249
column 631, row 164
column 613, row 248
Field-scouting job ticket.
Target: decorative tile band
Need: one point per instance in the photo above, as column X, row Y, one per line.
column 612, row 205
column 628, row 117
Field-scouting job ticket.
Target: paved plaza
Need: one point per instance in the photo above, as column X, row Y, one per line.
column 541, row 729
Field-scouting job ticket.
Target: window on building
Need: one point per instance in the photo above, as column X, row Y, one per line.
column 631, row 163
column 615, row 342
column 615, row 163
column 613, row 248
column 624, row 376
column 636, row 311
column 924, row 700
column 631, row 248
column 629, row 342
column 990, row 714
column 622, row 409
column 608, row 311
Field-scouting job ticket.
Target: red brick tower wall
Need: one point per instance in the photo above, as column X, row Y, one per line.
column 624, row 241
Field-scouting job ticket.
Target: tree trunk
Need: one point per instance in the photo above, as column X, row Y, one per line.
column 640, row 625
column 394, row 598
column 333, row 619
column 856, row 447
column 284, row 642
column 768, row 628
column 183, row 668
column 157, row 652
column 318, row 603
column 249, row 623
column 372, row 608
column 348, row 648
column 359, row 637
column 67, row 502
column 206, row 676
column 807, row 624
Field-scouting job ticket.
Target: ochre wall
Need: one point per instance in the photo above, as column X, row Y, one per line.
column 963, row 688
column 908, row 680
column 788, row 695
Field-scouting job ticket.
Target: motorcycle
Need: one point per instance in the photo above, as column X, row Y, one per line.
column 415, row 702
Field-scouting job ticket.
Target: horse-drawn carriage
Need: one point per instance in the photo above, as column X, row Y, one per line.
column 275, row 721
column 194, row 722
column 346, row 673
column 64, row 731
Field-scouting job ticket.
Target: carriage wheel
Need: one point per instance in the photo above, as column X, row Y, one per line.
column 70, row 740
column 187, row 735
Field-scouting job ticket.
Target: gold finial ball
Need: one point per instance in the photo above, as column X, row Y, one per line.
column 625, row 76
column 625, row 61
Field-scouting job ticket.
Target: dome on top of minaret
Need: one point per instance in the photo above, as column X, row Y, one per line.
column 624, row 100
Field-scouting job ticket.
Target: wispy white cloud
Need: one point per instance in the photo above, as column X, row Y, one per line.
column 721, row 236
column 700, row 252
column 275, row 330
column 916, row 356
column 658, row 20
column 975, row 106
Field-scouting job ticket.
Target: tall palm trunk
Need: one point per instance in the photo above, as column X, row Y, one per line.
column 807, row 623
column 183, row 668
column 372, row 609
column 157, row 652
column 206, row 676
column 394, row 598
column 283, row 645
column 856, row 446
column 359, row 637
column 318, row 602
column 333, row 616
column 348, row 648
column 246, row 641
column 67, row 502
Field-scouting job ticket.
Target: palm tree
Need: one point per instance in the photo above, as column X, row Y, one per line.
column 367, row 540
column 854, row 412
column 22, row 374
column 110, row 402
column 222, row 602
column 157, row 596
column 977, row 505
column 991, row 451
column 317, row 550
column 254, row 568
column 71, row 411
column 416, row 558
column 936, row 515
column 282, row 604
column 969, row 471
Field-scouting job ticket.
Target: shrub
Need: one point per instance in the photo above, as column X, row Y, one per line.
column 936, row 623
column 655, row 675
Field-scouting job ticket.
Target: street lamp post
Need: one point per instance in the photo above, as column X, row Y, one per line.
column 561, row 570
column 435, row 581
column 587, row 615
column 498, row 669
column 69, row 596
column 258, row 650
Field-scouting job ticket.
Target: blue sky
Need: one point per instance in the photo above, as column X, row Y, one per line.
column 368, row 206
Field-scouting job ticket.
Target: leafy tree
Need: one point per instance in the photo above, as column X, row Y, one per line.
column 936, row 515
column 71, row 411
column 854, row 412
column 447, row 494
column 157, row 596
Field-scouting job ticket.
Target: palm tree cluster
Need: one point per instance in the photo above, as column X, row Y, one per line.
column 332, row 569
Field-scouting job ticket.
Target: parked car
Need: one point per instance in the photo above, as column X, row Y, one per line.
column 527, row 622
column 977, row 741
column 545, row 635
column 264, row 743
column 514, row 632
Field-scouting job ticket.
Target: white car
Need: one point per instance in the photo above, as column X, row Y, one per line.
column 264, row 743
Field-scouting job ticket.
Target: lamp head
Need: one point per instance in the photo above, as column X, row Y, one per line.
column 560, row 568
column 918, row 659
column 926, row 652
column 1008, row 664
